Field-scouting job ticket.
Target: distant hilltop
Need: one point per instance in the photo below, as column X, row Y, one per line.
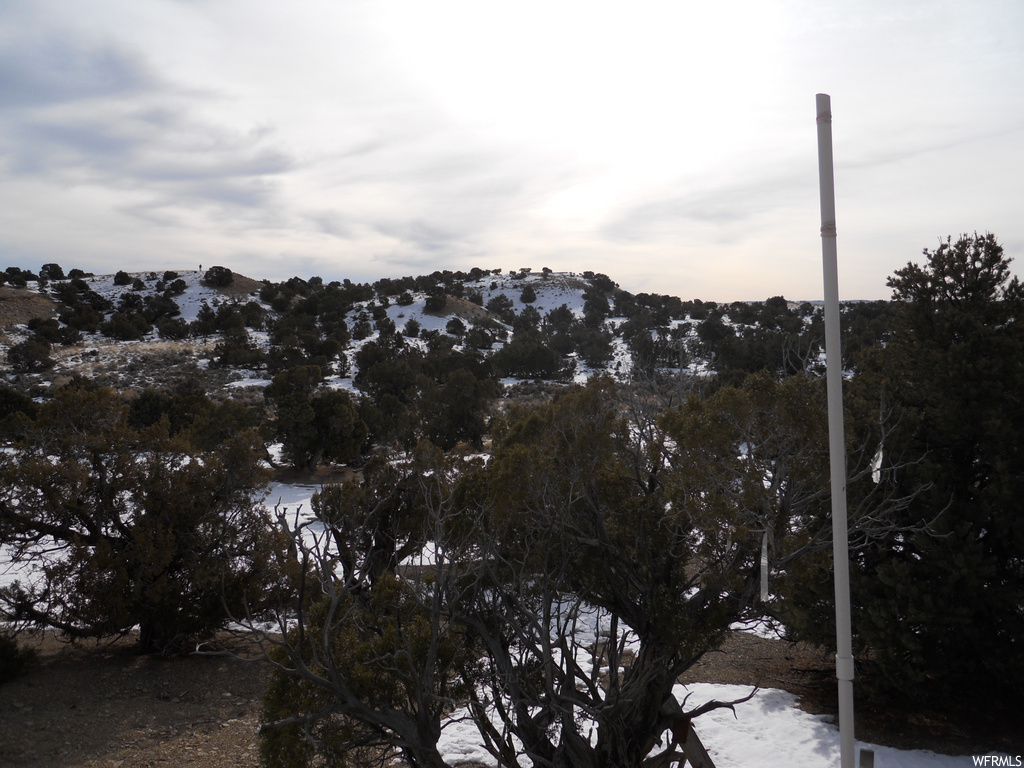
column 236, row 332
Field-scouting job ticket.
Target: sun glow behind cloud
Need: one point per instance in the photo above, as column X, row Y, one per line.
column 669, row 144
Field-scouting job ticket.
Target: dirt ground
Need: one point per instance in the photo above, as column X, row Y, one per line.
column 89, row 706
column 105, row 705
column 19, row 305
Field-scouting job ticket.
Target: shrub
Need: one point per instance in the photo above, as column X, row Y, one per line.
column 14, row 661
column 51, row 272
column 436, row 302
column 160, row 535
column 218, row 277
column 31, row 355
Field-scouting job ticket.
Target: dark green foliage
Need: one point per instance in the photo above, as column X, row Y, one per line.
column 528, row 295
column 864, row 325
column 385, row 326
column 949, row 613
column 237, row 350
column 123, row 326
column 600, row 282
column 218, row 277
column 479, row 337
column 158, row 306
column 18, row 277
column 122, row 278
column 442, row 396
column 12, row 402
column 14, row 660
column 436, row 302
column 531, row 359
column 45, row 328
column 937, row 606
column 559, row 320
column 51, row 330
column 377, row 689
column 577, row 512
column 411, row 328
column 189, row 414
column 143, row 529
column 526, row 325
column 205, row 323
column 593, row 345
column 16, row 412
column 82, row 317
column 362, row 328
column 314, row 425
column 501, row 306
column 253, row 315
column 760, row 336
column 456, row 327
column 340, row 430
column 30, row 356
column 173, row 329
column 595, row 309
column 454, row 411
column 51, row 272
column 83, row 308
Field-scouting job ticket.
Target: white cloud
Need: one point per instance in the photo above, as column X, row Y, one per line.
column 670, row 145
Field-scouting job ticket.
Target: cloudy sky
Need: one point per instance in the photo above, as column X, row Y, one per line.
column 668, row 143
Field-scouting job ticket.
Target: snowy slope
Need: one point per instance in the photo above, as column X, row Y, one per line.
column 769, row 731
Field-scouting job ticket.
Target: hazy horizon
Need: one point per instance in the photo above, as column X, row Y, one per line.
column 670, row 145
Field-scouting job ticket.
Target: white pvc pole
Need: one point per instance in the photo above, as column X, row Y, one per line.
column 836, row 433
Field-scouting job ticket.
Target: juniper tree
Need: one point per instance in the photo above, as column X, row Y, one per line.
column 941, row 610
column 553, row 594
column 314, row 424
column 122, row 528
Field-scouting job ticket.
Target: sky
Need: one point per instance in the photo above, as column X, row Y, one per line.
column 670, row 144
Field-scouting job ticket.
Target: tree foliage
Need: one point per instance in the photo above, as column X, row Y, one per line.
column 218, row 277
column 940, row 610
column 131, row 528
column 371, row 668
column 564, row 584
column 314, row 424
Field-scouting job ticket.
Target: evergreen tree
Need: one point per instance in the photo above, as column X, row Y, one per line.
column 314, row 425
column 946, row 608
column 30, row 355
column 562, row 586
column 938, row 604
column 132, row 528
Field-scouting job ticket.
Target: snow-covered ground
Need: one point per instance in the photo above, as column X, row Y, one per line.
column 552, row 291
column 769, row 731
